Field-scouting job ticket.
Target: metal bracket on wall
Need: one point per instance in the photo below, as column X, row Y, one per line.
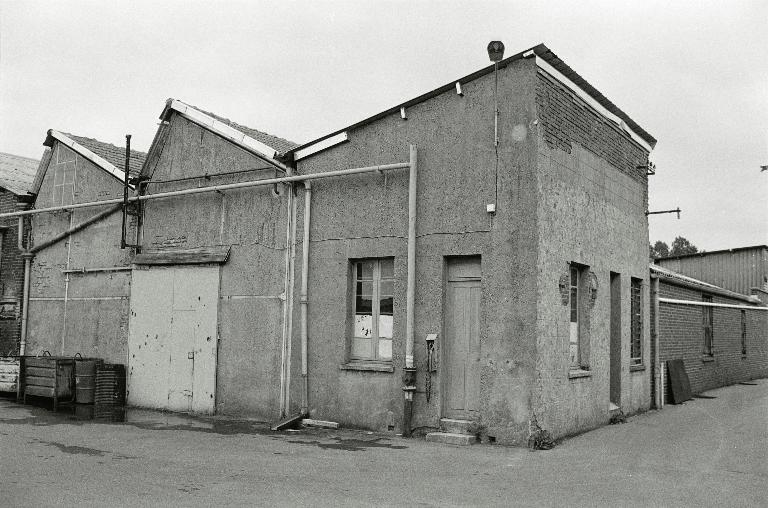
column 129, row 208
column 676, row 210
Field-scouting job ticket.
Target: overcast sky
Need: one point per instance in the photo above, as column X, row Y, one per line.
column 693, row 74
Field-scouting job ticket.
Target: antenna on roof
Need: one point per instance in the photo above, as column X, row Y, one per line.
column 495, row 53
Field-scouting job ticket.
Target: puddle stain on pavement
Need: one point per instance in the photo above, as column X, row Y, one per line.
column 157, row 420
column 351, row 445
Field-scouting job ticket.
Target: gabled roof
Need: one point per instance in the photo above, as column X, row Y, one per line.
column 546, row 60
column 674, row 277
column 265, row 146
column 281, row 145
column 17, row 173
column 104, row 155
column 115, row 155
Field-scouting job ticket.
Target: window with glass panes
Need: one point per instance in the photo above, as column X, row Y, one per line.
column 636, row 322
column 575, row 311
column 64, row 177
column 373, row 313
column 743, row 332
column 707, row 322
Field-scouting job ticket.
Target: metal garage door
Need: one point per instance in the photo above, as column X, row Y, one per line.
column 173, row 343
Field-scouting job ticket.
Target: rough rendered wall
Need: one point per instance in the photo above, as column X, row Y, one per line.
column 11, row 278
column 681, row 336
column 366, row 216
column 84, row 313
column 592, row 212
column 250, row 221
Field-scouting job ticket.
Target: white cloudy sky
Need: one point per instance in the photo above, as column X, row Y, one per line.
column 693, row 74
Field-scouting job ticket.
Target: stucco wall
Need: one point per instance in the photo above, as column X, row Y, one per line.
column 591, row 211
column 84, row 313
column 252, row 222
column 366, row 216
column 681, row 336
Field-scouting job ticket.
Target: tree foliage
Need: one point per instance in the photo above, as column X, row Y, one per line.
column 681, row 246
column 659, row 250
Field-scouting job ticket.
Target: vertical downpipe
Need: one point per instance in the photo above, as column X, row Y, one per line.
column 25, row 294
column 126, row 169
column 304, row 298
column 286, row 276
column 409, row 371
column 291, row 283
column 659, row 394
column 66, row 281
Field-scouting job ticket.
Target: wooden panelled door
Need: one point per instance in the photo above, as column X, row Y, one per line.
column 461, row 346
column 172, row 348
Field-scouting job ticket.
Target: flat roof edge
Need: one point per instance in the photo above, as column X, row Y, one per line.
column 541, row 51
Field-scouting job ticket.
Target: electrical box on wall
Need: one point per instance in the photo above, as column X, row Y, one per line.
column 490, row 208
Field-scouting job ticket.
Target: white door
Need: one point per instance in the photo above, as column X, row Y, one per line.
column 173, row 344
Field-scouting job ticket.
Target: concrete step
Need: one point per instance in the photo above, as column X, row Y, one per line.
column 454, row 426
column 451, row 438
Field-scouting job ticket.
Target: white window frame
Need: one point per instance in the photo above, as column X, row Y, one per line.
column 375, row 353
column 62, row 167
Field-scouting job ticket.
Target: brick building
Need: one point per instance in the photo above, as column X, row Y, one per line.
column 16, row 175
column 721, row 335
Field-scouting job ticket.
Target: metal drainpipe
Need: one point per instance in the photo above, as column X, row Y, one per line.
column 25, row 294
column 658, row 395
column 66, row 285
column 304, row 299
column 409, row 371
column 213, row 188
column 290, row 257
column 291, row 283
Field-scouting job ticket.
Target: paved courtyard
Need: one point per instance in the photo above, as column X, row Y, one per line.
column 707, row 452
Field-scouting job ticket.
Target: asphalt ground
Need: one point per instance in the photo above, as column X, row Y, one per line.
column 707, row 452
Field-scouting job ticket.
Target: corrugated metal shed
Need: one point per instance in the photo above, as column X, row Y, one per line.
column 737, row 269
column 17, row 173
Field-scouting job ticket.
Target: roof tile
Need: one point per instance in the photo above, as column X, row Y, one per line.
column 280, row 144
column 115, row 155
column 17, row 173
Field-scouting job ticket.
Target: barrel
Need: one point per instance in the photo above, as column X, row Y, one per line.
column 85, row 380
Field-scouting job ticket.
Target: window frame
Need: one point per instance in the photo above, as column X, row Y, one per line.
column 635, row 321
column 581, row 361
column 376, row 282
column 707, row 322
column 64, row 175
column 743, row 332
